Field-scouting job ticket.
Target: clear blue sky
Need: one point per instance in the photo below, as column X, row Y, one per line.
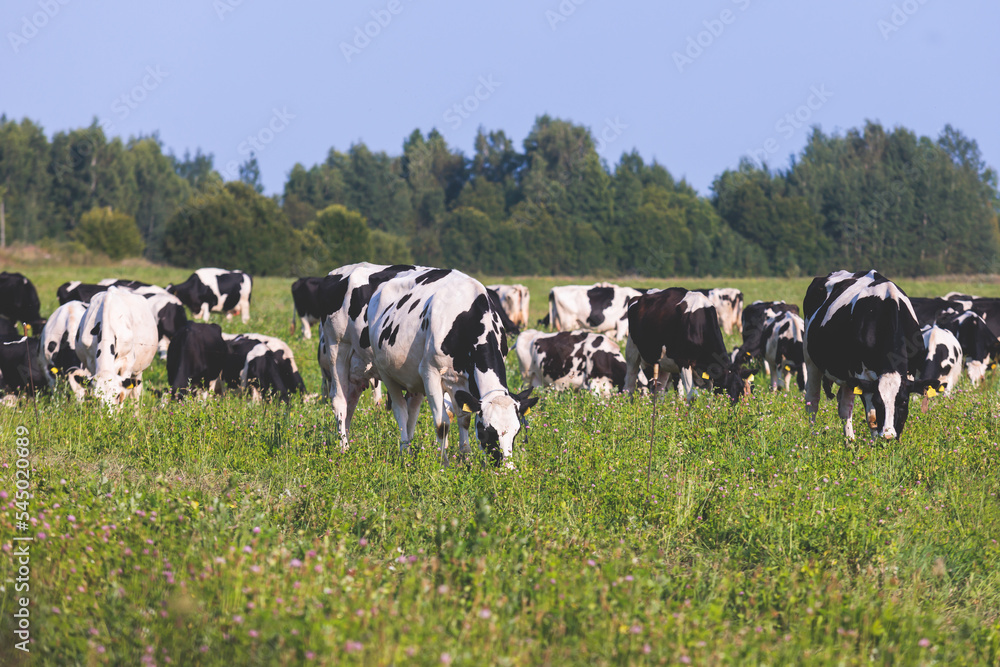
column 211, row 73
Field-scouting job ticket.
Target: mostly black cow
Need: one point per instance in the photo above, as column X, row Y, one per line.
column 980, row 348
column 19, row 300
column 862, row 333
column 678, row 330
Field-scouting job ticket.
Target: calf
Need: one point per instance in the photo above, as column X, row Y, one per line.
column 116, row 342
column 434, row 333
column 19, row 300
column 943, row 364
column 977, row 341
column 571, row 360
column 862, row 333
column 600, row 308
column 783, row 349
column 213, row 290
column 514, row 299
column 728, row 302
column 678, row 330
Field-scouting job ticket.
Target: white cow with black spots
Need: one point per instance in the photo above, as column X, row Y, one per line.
column 436, row 334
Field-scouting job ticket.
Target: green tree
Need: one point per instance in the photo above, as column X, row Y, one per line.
column 344, row 233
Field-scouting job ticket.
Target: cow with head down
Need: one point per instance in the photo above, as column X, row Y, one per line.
column 862, row 333
column 678, row 330
column 600, row 308
column 571, row 360
column 116, row 341
column 436, row 333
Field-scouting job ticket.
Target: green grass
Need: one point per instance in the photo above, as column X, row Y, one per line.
column 223, row 532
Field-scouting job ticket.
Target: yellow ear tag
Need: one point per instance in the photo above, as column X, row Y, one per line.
column 992, row 366
column 466, row 408
column 527, row 412
column 704, row 376
column 749, row 378
column 931, row 392
column 857, row 391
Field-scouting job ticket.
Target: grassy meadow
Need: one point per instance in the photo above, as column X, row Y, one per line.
column 228, row 533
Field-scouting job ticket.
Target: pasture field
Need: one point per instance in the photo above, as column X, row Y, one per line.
column 229, row 533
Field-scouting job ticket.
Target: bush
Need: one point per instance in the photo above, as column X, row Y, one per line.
column 114, row 234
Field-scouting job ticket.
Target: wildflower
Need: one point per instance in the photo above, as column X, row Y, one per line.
column 485, row 613
column 924, row 643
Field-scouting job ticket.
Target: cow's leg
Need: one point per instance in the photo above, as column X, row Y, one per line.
column 413, row 402
column 306, row 329
column 355, row 388
column 340, row 366
column 632, row 362
column 435, row 389
column 845, row 408
column 687, row 382
column 376, row 393
column 399, row 411
column 244, row 309
column 204, row 313
column 769, row 360
column 814, row 382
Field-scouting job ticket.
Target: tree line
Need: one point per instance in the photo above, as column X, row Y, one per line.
column 865, row 198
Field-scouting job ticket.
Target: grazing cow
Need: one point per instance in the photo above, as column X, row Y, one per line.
column 19, row 300
column 58, row 350
column 8, row 331
column 75, row 290
column 283, row 357
column 977, row 341
column 436, row 333
column 346, row 336
column 514, row 299
column 783, row 349
column 571, row 360
column 196, row 357
column 678, row 330
column 862, row 333
column 755, row 316
column 943, row 363
column 600, row 308
column 213, row 290
column 20, row 370
column 929, row 310
column 989, row 310
column 167, row 310
column 116, row 342
column 728, row 302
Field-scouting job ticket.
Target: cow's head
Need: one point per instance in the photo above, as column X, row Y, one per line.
column 498, row 420
column 887, row 401
column 113, row 389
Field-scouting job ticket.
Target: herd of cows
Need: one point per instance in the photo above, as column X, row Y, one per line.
column 440, row 334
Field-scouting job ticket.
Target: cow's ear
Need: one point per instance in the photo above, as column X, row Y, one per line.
column 930, row 386
column 525, row 401
column 128, row 383
column 466, row 401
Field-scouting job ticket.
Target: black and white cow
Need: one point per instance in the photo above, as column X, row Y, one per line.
column 116, row 342
column 19, row 300
column 436, row 333
column 753, row 319
column 58, row 349
column 345, row 335
column 783, row 350
column 509, row 327
column 989, row 310
column 75, row 290
column 678, row 330
column 862, row 333
column 291, row 380
column 600, row 308
column 943, row 363
column 167, row 310
column 978, row 343
column 196, row 357
column 20, row 372
column 930, row 310
column 514, row 299
column 213, row 290
column 728, row 302
column 571, row 360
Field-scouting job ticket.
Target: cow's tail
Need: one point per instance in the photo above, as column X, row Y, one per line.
column 552, row 310
column 292, row 330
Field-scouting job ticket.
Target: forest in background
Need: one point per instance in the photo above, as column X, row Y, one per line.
column 907, row 205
